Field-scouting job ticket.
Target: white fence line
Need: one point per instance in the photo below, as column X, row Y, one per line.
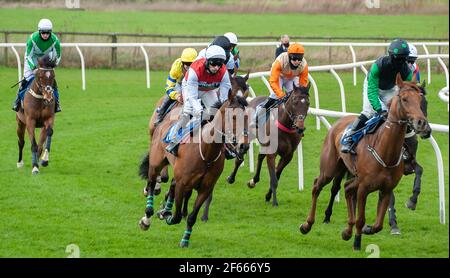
column 350, row 45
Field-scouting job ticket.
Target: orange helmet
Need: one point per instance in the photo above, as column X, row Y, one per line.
column 296, row 48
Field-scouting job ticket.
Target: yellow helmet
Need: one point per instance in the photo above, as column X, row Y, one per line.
column 188, row 55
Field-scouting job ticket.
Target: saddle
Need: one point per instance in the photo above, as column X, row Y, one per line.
column 182, row 134
column 370, row 127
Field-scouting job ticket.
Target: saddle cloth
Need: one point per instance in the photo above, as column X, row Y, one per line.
column 370, row 127
column 182, row 134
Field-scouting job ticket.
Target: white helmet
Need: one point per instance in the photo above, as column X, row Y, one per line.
column 412, row 51
column 232, row 37
column 215, row 52
column 45, row 25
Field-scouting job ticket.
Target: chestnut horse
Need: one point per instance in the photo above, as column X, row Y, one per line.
column 197, row 166
column 411, row 166
column 378, row 164
column 38, row 111
column 291, row 127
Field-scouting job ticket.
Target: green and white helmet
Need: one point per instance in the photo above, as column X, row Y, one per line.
column 45, row 25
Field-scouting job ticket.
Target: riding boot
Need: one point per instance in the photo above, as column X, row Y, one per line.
column 172, row 146
column 16, row 104
column 357, row 124
column 56, row 94
column 163, row 108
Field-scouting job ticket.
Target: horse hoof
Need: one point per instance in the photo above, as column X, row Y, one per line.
column 44, row 163
column 411, row 205
column 251, row 184
column 145, row 192
column 326, row 220
column 395, row 231
column 35, row 170
column 367, row 229
column 184, row 244
column 144, row 223
column 356, row 248
column 163, row 214
column 304, row 230
column 20, row 164
column 230, row 179
column 204, row 219
column 345, row 235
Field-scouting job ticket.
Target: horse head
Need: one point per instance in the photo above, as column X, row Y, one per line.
column 410, row 104
column 45, row 78
column 297, row 106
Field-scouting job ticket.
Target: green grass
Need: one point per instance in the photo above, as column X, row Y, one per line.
column 90, row 194
column 219, row 23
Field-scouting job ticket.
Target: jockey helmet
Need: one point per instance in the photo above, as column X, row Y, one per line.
column 296, row 48
column 398, row 49
column 45, row 25
column 412, row 57
column 223, row 42
column 232, row 37
column 215, row 52
column 188, row 55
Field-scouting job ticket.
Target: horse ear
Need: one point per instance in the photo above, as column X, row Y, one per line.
column 230, row 95
column 399, row 80
column 423, row 85
column 308, row 87
column 247, row 76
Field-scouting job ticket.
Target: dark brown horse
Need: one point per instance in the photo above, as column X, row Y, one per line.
column 198, row 164
column 38, row 111
column 290, row 126
column 411, row 166
column 378, row 164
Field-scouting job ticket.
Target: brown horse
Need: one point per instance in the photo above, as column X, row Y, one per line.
column 198, row 164
column 38, row 111
column 410, row 166
column 291, row 127
column 378, row 164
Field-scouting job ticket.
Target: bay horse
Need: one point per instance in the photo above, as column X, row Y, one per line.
column 198, row 165
column 291, row 127
column 378, row 164
column 240, row 86
column 410, row 166
column 38, row 111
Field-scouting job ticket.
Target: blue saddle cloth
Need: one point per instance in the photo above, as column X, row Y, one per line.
column 25, row 88
column 180, row 133
column 370, row 127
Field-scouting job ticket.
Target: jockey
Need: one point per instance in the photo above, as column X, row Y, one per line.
column 234, row 50
column 225, row 43
column 173, row 84
column 288, row 67
column 40, row 43
column 379, row 86
column 412, row 61
column 200, row 83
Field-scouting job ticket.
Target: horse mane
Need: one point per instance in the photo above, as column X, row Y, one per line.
column 46, row 62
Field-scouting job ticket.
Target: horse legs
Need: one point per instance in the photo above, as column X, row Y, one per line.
column 232, row 176
column 49, row 134
column 391, row 213
column 384, row 199
column 273, row 180
column 412, row 201
column 187, row 196
column 206, row 210
column 144, row 223
column 319, row 183
column 361, row 220
column 284, row 161
column 166, row 210
column 334, row 191
column 350, row 198
column 179, row 196
column 34, row 147
column 21, row 142
column 162, row 178
column 201, row 197
column 252, row 183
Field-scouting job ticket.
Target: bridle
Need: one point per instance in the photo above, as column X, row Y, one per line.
column 40, row 87
column 293, row 117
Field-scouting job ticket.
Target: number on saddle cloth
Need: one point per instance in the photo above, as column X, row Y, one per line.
column 370, row 127
column 182, row 132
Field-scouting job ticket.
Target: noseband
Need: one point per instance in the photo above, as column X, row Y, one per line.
column 292, row 117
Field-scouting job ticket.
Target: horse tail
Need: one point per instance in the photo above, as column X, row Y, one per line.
column 143, row 169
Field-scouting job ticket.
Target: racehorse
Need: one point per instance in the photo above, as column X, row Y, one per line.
column 378, row 164
column 239, row 85
column 291, row 127
column 411, row 166
column 38, row 111
column 197, row 166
